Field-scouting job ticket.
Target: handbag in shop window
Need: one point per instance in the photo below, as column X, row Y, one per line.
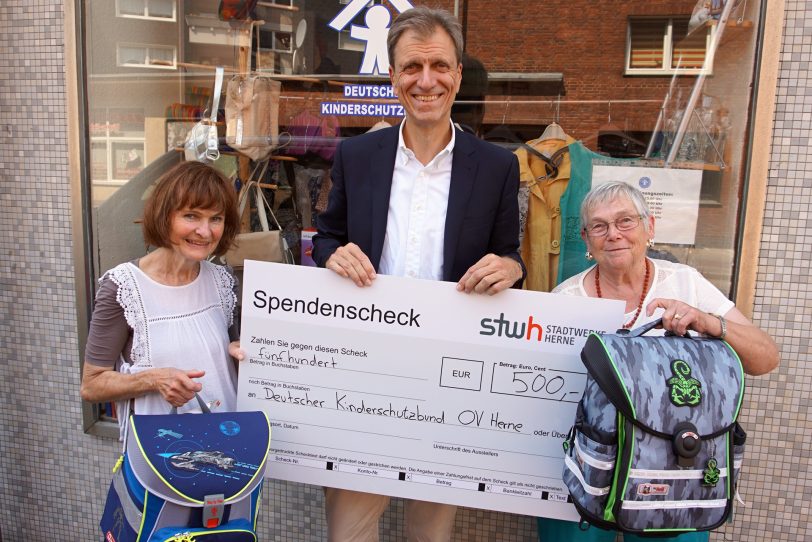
column 266, row 245
column 201, row 143
column 252, row 115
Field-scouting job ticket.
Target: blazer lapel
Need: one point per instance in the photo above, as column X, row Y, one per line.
column 382, row 167
column 463, row 171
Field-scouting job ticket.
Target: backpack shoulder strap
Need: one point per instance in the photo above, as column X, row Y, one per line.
column 602, row 369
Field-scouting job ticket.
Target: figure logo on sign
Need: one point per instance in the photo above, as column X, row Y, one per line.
column 376, row 58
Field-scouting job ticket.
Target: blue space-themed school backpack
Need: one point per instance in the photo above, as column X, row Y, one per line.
column 188, row 478
column 655, row 448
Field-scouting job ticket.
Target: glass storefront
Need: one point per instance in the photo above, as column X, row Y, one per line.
column 656, row 93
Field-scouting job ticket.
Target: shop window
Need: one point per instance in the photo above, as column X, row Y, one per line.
column 114, row 161
column 274, row 40
column 348, row 43
column 345, row 41
column 664, row 45
column 146, row 56
column 116, row 145
column 137, row 120
column 276, row 52
column 274, row 3
column 159, row 10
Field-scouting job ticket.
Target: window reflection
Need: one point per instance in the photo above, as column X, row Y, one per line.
column 621, row 82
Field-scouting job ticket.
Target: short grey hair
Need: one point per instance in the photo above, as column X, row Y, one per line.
column 610, row 191
column 423, row 21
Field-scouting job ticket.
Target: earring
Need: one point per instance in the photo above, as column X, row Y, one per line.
column 650, row 243
column 588, row 255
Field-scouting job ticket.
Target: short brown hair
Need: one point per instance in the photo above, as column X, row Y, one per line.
column 192, row 185
column 424, row 21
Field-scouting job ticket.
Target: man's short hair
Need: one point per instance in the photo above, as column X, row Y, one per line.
column 424, row 21
column 190, row 185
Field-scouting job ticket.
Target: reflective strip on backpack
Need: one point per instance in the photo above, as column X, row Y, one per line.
column 596, row 491
column 688, row 474
column 673, row 505
column 591, row 461
column 131, row 512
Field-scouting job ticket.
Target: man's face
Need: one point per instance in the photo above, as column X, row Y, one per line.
column 426, row 77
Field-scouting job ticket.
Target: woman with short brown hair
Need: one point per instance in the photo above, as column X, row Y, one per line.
column 190, row 185
column 160, row 331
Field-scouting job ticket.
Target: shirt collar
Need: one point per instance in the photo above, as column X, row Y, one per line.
column 405, row 153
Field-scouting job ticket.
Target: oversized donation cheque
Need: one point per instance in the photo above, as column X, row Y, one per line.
column 410, row 388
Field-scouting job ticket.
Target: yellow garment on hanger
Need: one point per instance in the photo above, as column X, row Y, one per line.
column 541, row 244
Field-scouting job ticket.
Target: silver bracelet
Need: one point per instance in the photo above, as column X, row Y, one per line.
column 723, row 323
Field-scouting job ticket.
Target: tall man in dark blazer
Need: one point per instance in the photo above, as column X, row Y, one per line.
column 421, row 200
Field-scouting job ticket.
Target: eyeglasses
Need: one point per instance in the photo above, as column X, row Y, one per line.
column 624, row 223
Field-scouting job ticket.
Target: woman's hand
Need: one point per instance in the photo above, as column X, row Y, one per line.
column 679, row 317
column 106, row 384
column 756, row 350
column 235, row 351
column 176, row 386
column 237, row 354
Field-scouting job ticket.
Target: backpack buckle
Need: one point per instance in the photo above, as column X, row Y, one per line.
column 686, row 443
column 213, row 510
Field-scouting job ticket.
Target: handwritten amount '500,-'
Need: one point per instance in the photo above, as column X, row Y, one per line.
column 537, row 384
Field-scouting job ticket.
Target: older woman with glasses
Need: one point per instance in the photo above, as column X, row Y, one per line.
column 618, row 227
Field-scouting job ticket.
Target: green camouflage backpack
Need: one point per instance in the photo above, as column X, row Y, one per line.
column 656, row 448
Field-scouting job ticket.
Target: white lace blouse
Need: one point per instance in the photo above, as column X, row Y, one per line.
column 185, row 327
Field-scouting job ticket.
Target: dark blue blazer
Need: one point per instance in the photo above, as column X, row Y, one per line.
column 483, row 209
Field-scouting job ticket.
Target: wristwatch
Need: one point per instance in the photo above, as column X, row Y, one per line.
column 723, row 323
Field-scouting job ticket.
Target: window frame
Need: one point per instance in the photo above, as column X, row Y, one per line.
column 108, row 143
column 146, row 15
column 668, row 50
column 273, row 34
column 344, row 40
column 768, row 50
column 347, row 43
column 147, row 47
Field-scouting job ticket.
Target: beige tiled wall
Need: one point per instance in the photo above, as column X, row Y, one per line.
column 53, row 477
column 778, row 480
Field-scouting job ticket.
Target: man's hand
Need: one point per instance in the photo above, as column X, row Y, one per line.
column 350, row 262
column 490, row 275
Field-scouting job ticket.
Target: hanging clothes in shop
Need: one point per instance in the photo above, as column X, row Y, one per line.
column 544, row 171
column 311, row 133
column 573, row 249
column 572, row 259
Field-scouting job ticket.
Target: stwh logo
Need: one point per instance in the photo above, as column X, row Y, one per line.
column 509, row 328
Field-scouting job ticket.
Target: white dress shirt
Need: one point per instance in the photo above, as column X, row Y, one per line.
column 415, row 225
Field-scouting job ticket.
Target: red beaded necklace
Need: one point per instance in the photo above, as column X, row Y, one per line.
column 642, row 294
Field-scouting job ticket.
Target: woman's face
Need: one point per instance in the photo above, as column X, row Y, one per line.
column 195, row 233
column 618, row 249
